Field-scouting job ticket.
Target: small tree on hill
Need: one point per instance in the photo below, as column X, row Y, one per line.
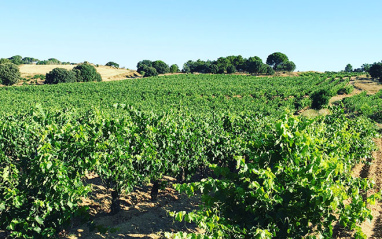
column 5, row 61
column 348, row 68
column 276, row 59
column 60, row 75
column 254, row 65
column 286, row 66
column 269, row 70
column 86, row 73
column 17, row 60
column 149, row 72
column 9, row 74
column 29, row 60
column 174, row 68
column 143, row 64
column 231, row 69
column 112, row 64
column 186, row 68
column 161, row 67
column 375, row 71
column 320, row 98
column 214, row 69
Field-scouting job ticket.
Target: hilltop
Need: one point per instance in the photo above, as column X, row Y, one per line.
column 108, row 73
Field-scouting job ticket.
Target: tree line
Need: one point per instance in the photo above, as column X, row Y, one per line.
column 254, row 65
column 374, row 70
column 18, row 60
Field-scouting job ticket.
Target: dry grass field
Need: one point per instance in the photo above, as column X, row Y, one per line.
column 107, row 73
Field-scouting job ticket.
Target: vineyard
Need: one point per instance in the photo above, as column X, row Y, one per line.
column 236, row 142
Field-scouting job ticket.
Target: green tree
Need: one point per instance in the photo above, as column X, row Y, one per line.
column 143, row 65
column 9, row 74
column 214, row 69
column 268, row 70
column 161, row 67
column 222, row 63
column 286, row 66
column 375, row 71
column 5, row 61
column 366, row 67
column 112, row 64
column 254, row 65
column 86, row 73
column 29, row 60
column 186, row 68
column 17, row 60
column 320, row 98
column 348, row 68
column 174, row 68
column 60, row 75
column 231, row 69
column 150, row 71
column 237, row 61
column 276, row 59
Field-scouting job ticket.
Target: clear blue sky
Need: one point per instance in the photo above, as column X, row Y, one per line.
column 316, row 35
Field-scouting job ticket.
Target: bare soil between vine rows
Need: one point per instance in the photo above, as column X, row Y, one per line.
column 139, row 216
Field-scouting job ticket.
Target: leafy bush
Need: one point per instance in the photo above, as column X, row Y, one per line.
column 5, row 61
column 9, row 74
column 142, row 65
column 214, row 69
column 174, row 68
column 60, row 75
column 375, row 71
column 112, row 64
column 50, row 61
column 320, row 98
column 286, row 66
column 17, row 60
column 346, row 90
column 269, row 70
column 231, row 69
column 275, row 59
column 161, row 67
column 86, row 73
column 149, row 71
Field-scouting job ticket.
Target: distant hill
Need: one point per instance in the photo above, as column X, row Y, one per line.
column 107, row 73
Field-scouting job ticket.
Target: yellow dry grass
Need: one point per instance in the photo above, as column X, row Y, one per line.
column 107, row 73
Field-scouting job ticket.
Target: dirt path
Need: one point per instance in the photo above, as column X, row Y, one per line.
column 139, row 216
column 374, row 229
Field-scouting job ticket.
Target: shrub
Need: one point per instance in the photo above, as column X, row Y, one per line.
column 375, row 71
column 86, row 73
column 186, row 69
column 286, row 66
column 150, row 71
column 9, row 74
column 142, row 65
column 60, row 75
column 214, row 69
column 39, row 76
column 174, row 68
column 161, row 67
column 5, row 61
column 320, row 98
column 346, row 90
column 17, row 60
column 231, row 69
column 269, row 70
column 112, row 64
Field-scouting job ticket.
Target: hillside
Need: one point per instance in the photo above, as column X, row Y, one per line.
column 107, row 73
